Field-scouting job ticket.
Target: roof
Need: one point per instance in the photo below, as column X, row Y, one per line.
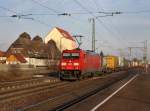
column 19, row 57
column 65, row 34
column 2, row 54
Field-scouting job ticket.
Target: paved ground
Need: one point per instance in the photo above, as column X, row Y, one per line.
column 135, row 96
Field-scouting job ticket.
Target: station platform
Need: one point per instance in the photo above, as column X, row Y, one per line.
column 133, row 97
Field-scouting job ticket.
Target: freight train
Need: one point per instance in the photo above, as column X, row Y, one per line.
column 110, row 63
column 77, row 64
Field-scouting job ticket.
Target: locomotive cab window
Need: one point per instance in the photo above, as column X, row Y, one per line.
column 66, row 54
column 75, row 55
column 70, row 55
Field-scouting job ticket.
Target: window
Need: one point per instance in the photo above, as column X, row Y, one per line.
column 66, row 54
column 71, row 55
column 75, row 55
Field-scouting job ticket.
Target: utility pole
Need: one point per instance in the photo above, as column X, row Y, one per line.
column 145, row 56
column 93, row 25
column 93, row 33
column 130, row 55
column 145, row 48
column 130, row 52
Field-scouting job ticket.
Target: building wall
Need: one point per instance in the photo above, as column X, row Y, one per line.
column 12, row 60
column 2, row 58
column 37, row 62
column 61, row 42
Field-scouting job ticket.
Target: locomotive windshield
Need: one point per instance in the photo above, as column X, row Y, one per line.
column 71, row 55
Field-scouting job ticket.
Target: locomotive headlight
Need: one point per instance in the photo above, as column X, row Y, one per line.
column 76, row 64
column 63, row 63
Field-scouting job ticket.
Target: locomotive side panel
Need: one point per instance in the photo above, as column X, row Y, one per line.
column 91, row 63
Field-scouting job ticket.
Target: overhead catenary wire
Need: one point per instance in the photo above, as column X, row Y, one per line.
column 84, row 8
column 41, row 22
column 110, row 31
column 51, row 9
column 99, row 7
column 22, row 16
column 102, row 10
column 84, row 13
column 4, row 16
column 89, row 12
column 7, row 9
column 136, row 12
column 78, row 3
column 57, row 12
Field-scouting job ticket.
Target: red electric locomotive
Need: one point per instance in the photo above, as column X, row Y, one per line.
column 77, row 63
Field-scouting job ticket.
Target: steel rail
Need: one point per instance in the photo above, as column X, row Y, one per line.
column 87, row 95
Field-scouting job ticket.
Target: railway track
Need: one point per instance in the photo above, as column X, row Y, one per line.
column 60, row 94
column 29, row 94
column 75, row 95
column 7, row 87
column 28, row 91
column 14, row 100
column 85, row 96
column 80, row 98
column 10, row 100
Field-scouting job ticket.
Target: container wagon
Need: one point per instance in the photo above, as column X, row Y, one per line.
column 111, row 63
